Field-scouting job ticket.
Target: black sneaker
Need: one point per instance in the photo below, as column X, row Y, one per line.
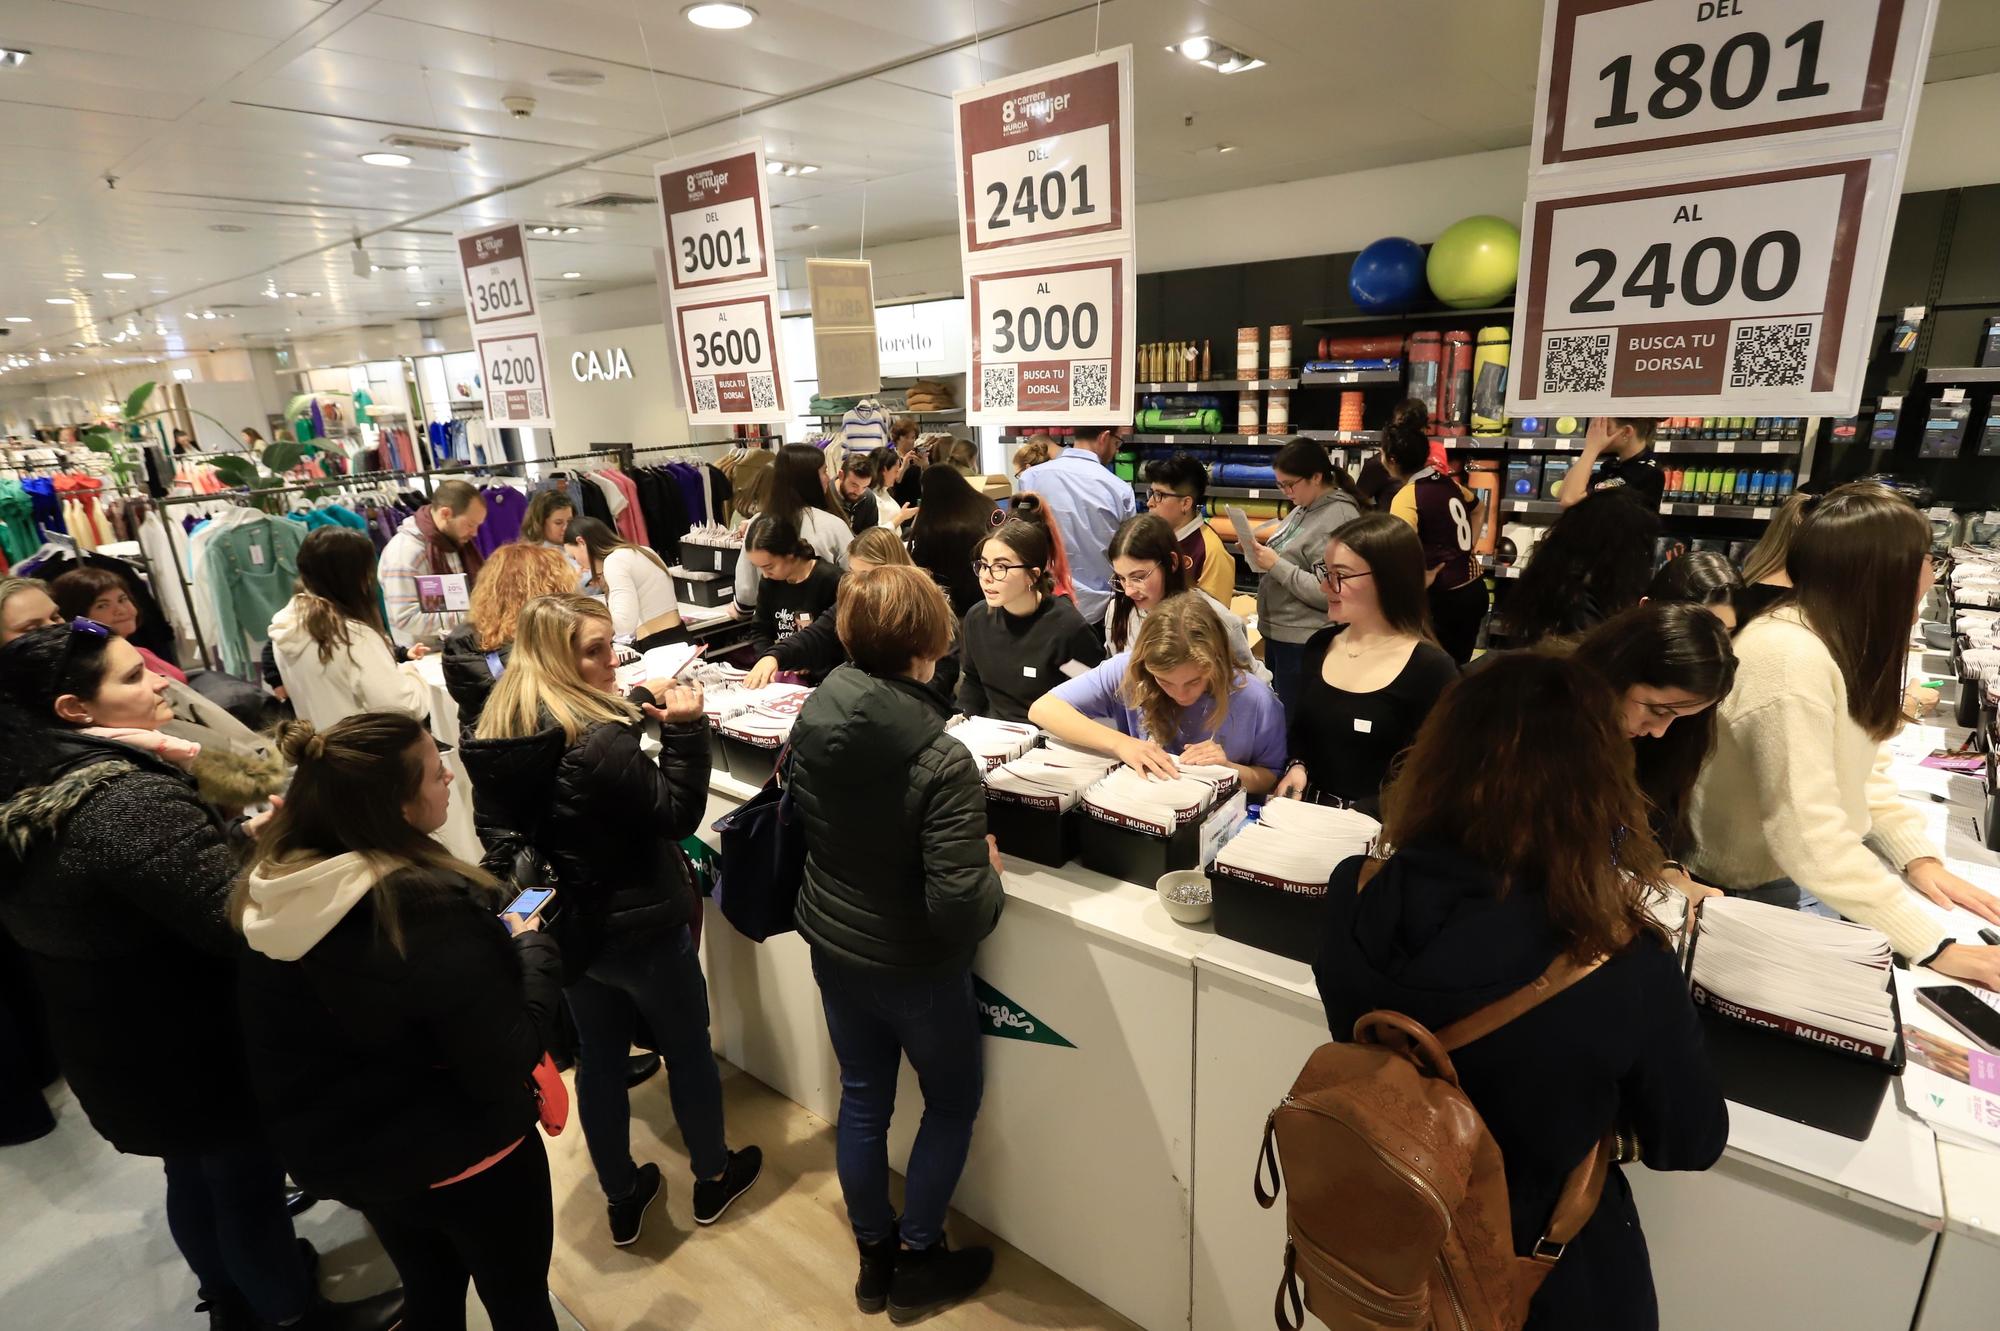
column 298, row 1201
column 929, row 1280
column 227, row 1312
column 878, row 1268
column 629, row 1215
column 712, row 1196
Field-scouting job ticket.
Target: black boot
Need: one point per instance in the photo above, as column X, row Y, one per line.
column 929, row 1280
column 227, row 1312
column 639, row 1067
column 377, row 1312
column 298, row 1201
column 878, row 1268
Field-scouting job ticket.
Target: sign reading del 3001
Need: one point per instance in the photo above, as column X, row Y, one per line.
column 716, row 217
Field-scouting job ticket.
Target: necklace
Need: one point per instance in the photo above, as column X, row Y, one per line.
column 1351, row 653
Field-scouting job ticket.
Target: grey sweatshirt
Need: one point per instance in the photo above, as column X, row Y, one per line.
column 1291, row 604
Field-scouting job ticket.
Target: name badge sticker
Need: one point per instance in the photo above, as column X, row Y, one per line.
column 1028, row 671
column 1364, row 726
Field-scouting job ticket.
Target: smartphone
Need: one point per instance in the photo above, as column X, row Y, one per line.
column 530, row 903
column 1967, row 1012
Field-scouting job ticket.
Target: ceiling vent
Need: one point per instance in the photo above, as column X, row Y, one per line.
column 428, row 144
column 614, row 199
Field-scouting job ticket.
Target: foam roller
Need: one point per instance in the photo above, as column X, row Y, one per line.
column 1426, row 365
column 1455, row 384
column 1489, row 380
column 1360, row 348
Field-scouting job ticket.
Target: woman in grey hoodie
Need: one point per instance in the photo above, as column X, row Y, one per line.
column 1291, row 603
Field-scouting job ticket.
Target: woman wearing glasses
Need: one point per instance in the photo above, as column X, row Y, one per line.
column 1022, row 640
column 1178, row 694
column 115, row 879
column 1291, row 604
column 1372, row 676
column 1148, row 565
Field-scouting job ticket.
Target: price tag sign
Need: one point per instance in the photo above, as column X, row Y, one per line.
column 1625, row 79
column 1046, row 156
column 729, row 354
column 1052, row 343
column 513, row 367
column 494, row 265
column 1744, row 294
column 848, row 358
column 717, row 217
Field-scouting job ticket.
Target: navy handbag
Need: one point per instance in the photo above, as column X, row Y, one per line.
column 763, row 859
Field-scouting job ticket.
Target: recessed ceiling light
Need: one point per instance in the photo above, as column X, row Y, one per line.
column 411, row 268
column 572, row 274
column 228, row 228
column 1222, row 59
column 1196, row 48
column 806, row 226
column 118, row 277
column 576, row 78
column 387, row 159
column 423, row 304
column 313, row 293
column 58, row 300
column 773, row 166
column 19, row 319
column 717, row 15
column 291, row 295
column 807, row 170
column 11, row 57
column 1225, row 147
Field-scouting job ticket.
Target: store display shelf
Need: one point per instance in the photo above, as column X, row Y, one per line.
column 1410, row 316
column 1228, row 492
column 1263, row 440
column 1544, row 507
column 1329, row 378
column 1216, row 385
column 1758, row 512
column 1962, row 374
column 1343, row 436
column 956, row 414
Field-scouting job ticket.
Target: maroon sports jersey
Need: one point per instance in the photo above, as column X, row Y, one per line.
column 1445, row 514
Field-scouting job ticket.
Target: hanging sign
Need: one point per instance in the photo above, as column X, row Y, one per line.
column 1052, row 342
column 729, row 360
column 498, row 288
column 1630, row 79
column 514, row 372
column 717, row 218
column 843, row 318
column 1746, row 294
column 1046, row 156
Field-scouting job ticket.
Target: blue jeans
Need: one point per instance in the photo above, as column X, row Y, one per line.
column 873, row 1019
column 226, row 1210
column 660, row 976
column 1287, row 664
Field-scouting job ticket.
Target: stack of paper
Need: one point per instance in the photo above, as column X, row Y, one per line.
column 709, row 533
column 1049, row 778
column 659, row 663
column 1951, row 1087
column 1129, row 798
column 1669, row 908
column 1298, row 844
column 992, row 741
column 763, row 717
column 1815, row 978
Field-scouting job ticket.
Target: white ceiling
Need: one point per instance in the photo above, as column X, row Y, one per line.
column 252, row 114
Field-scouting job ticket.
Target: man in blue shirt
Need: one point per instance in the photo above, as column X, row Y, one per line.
column 1088, row 501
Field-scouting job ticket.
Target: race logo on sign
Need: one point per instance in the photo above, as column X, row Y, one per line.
column 1003, row 1018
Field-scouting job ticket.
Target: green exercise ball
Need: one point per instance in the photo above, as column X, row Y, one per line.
column 1473, row 263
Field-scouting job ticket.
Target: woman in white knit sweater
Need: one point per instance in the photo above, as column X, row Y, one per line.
column 329, row 641
column 1797, row 797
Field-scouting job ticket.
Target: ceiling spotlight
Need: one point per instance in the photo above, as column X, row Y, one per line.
column 716, row 15
column 58, row 300
column 13, row 57
column 773, row 166
column 572, row 274
column 19, row 319
column 387, row 159
column 208, row 314
column 272, row 294
column 117, row 277
column 314, row 294
column 1196, row 48
column 1222, row 59
column 807, row 170
column 423, row 304
column 410, row 268
column 576, row 78
column 291, row 295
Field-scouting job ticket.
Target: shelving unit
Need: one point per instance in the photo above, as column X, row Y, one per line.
column 1410, row 316
column 1494, row 443
column 1246, row 440
column 1961, row 374
column 1348, row 378
column 1217, row 386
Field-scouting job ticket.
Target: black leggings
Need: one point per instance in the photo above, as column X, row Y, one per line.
column 1456, row 615
column 496, row 1228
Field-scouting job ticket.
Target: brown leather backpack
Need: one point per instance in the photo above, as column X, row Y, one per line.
column 1398, row 1217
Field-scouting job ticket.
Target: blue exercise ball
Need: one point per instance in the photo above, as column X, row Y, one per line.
column 1388, row 276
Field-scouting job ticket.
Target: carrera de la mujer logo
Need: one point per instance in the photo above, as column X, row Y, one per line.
column 1003, row 1018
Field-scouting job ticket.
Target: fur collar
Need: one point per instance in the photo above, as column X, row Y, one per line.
column 39, row 812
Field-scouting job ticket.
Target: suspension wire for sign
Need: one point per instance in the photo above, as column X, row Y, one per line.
column 862, row 251
column 465, row 213
column 978, row 54
column 653, row 76
column 1097, row 33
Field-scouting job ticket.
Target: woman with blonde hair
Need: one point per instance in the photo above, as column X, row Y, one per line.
column 558, row 772
column 1178, row 693
column 1765, row 581
column 475, row 653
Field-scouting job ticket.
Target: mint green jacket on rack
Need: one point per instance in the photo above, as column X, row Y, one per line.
column 253, row 568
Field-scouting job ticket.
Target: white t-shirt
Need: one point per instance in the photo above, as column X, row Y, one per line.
column 637, row 590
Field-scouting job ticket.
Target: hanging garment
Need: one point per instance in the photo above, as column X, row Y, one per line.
column 505, row 507
column 253, row 567
column 18, row 539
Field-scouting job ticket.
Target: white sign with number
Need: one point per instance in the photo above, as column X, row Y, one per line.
column 513, row 370
column 717, row 218
column 1046, row 157
column 1631, row 83
column 1743, row 294
column 1052, row 341
column 497, row 284
column 730, row 360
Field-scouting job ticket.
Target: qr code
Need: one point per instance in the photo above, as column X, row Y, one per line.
column 1090, row 384
column 704, row 395
column 996, row 386
column 763, row 393
column 1580, row 364
column 1770, row 355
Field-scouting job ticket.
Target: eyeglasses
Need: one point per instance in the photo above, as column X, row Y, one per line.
column 998, row 572
column 1336, row 578
column 1162, row 496
column 1285, row 487
column 1132, row 582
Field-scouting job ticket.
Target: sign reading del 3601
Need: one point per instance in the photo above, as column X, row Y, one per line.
column 494, row 265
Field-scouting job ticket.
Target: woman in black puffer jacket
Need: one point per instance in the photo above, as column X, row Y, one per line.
column 115, row 871
column 377, row 960
column 557, row 770
column 475, row 653
column 901, row 883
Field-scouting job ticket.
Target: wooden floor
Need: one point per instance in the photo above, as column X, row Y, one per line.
column 782, row 1257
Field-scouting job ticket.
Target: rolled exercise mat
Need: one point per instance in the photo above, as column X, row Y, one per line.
column 1426, row 363
column 1360, row 348
column 1278, row 412
column 1455, row 384
column 1484, row 477
column 1246, row 413
column 1350, row 410
column 1248, row 366
column 1489, row 380
column 1281, row 350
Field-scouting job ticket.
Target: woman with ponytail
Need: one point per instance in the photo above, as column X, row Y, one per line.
column 331, row 647
column 379, row 960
